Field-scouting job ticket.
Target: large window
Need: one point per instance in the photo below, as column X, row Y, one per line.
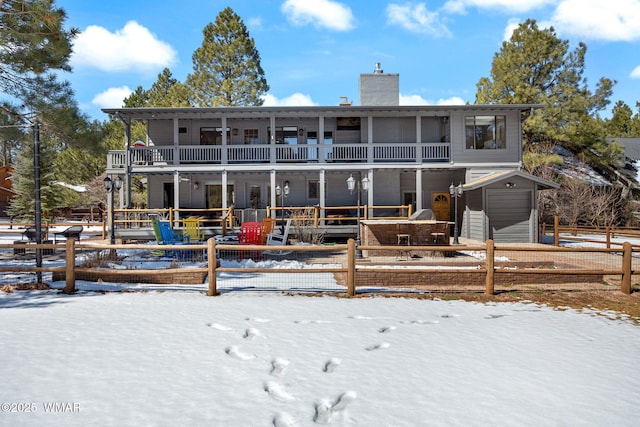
column 251, row 136
column 485, row 132
column 212, row 136
column 286, row 135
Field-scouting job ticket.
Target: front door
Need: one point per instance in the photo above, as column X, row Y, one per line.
column 441, row 206
column 214, row 195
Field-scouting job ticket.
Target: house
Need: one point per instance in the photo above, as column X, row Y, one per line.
column 6, row 189
column 410, row 155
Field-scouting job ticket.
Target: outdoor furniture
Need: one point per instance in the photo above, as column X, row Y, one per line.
column 30, row 234
column 251, row 233
column 192, row 229
column 171, row 237
column 268, row 225
column 440, row 233
column 279, row 239
column 72, row 232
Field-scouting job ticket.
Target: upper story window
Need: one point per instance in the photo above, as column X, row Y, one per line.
column 485, row 132
column 212, row 136
column 285, row 135
column 251, row 136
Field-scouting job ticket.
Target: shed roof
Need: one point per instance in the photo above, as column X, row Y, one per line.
column 492, row 178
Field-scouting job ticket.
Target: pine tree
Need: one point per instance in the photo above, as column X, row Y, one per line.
column 536, row 67
column 226, row 68
column 167, row 91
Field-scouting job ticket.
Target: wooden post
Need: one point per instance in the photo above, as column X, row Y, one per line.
column 211, row 265
column 607, row 231
column 490, row 266
column 556, row 233
column 626, row 268
column 351, row 267
column 70, row 266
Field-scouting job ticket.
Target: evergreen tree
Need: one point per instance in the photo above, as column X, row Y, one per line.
column 536, row 67
column 623, row 122
column 167, row 91
column 52, row 196
column 226, row 68
column 34, row 46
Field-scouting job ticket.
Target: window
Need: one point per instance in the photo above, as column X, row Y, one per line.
column 313, row 189
column 286, row 135
column 348, row 123
column 213, row 136
column 485, row 132
column 251, row 136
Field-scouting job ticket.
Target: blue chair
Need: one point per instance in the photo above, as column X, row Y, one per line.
column 170, row 237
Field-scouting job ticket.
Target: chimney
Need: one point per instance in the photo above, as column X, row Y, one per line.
column 378, row 88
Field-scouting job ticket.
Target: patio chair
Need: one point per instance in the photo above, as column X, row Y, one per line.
column 72, row 232
column 192, row 229
column 267, row 227
column 250, row 234
column 171, row 237
column 439, row 233
column 279, row 239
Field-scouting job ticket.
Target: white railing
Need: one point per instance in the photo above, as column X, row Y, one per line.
column 299, row 153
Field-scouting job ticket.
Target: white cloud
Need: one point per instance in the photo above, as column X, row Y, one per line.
column 133, row 47
column 295, row 100
column 510, row 6
column 613, row 20
column 417, row 19
column 511, row 26
column 320, row 13
column 418, row 100
column 112, row 97
column 635, row 74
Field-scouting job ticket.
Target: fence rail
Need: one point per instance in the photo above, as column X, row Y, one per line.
column 484, row 268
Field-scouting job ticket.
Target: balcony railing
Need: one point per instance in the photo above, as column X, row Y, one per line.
column 284, row 153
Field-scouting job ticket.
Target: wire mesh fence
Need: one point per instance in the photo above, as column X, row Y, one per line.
column 339, row 268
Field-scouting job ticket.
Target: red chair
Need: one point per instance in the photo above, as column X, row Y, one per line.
column 250, row 234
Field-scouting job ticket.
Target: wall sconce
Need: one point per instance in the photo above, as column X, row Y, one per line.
column 300, row 132
column 510, row 184
column 196, row 185
column 235, row 131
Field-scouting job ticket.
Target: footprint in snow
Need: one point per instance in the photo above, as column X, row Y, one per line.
column 449, row 316
column 237, row 354
column 257, row 319
column 251, row 333
column 304, row 322
column 219, row 327
column 283, row 420
column 278, row 366
column 386, row 329
column 495, row 316
column 424, row 322
column 378, row 346
column 326, row 409
column 276, row 391
column 331, row 365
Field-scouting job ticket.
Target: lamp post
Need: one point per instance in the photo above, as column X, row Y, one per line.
column 456, row 193
column 358, row 186
column 112, row 186
column 282, row 192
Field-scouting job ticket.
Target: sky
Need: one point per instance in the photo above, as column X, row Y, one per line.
column 313, row 51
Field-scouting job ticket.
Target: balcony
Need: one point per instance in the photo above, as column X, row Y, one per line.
column 280, row 153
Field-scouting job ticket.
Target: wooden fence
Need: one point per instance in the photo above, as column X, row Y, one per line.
column 437, row 264
column 577, row 233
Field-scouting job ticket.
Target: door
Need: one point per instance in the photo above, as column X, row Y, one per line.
column 441, row 206
column 214, row 195
column 509, row 213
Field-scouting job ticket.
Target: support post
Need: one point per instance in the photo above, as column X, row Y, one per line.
column 626, row 268
column 351, row 267
column 70, row 267
column 211, row 266
column 556, row 232
column 490, row 266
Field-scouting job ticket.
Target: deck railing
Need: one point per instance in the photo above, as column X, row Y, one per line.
column 281, row 153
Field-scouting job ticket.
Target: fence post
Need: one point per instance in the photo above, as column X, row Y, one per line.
column 70, row 266
column 626, row 268
column 490, row 266
column 556, row 232
column 351, row 267
column 212, row 263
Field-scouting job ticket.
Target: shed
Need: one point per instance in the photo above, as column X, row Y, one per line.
column 503, row 206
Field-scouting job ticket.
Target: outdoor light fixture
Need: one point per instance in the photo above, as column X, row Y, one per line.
column 112, row 186
column 358, row 186
column 455, row 192
column 282, row 192
column 510, row 184
column 235, row 131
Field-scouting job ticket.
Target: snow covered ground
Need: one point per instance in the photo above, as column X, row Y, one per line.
column 250, row 359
